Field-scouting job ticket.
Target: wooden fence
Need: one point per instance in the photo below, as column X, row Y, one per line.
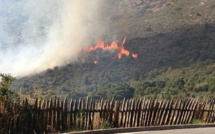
column 55, row 115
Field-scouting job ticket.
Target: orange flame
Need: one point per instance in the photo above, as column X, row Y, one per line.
column 113, row 46
column 123, row 42
column 134, row 55
column 95, row 62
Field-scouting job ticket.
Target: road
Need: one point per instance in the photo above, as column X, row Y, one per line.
column 210, row 130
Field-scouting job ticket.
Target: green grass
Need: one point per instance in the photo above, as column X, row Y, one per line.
column 196, row 121
column 105, row 125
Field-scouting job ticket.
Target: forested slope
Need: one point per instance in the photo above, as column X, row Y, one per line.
column 175, row 44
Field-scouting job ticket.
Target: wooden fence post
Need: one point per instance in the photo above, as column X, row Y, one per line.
column 169, row 112
column 62, row 115
column 90, row 115
column 71, row 113
column 116, row 117
column 192, row 113
column 126, row 111
column 50, row 113
column 139, row 112
column 93, row 114
column 58, row 118
column 155, row 112
column 55, row 113
column 185, row 111
column 65, row 111
column 151, row 110
column 87, row 114
column 111, row 110
column 145, row 112
column 122, row 113
column 209, row 114
column 171, row 122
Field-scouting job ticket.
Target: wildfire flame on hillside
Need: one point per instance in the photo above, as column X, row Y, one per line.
column 134, row 55
column 113, row 46
column 95, row 62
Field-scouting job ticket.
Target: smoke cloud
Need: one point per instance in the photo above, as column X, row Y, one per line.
column 40, row 34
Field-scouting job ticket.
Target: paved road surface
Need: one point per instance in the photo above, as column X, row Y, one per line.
column 178, row 131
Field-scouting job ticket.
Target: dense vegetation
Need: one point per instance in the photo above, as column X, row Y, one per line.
column 175, row 45
column 5, row 93
column 196, row 81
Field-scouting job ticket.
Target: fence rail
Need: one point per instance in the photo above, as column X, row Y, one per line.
column 56, row 115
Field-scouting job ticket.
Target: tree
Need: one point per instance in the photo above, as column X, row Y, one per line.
column 5, row 83
column 118, row 91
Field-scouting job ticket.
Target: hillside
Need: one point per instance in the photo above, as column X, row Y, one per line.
column 175, row 44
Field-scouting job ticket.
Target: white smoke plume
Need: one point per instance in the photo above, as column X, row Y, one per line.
column 40, row 34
